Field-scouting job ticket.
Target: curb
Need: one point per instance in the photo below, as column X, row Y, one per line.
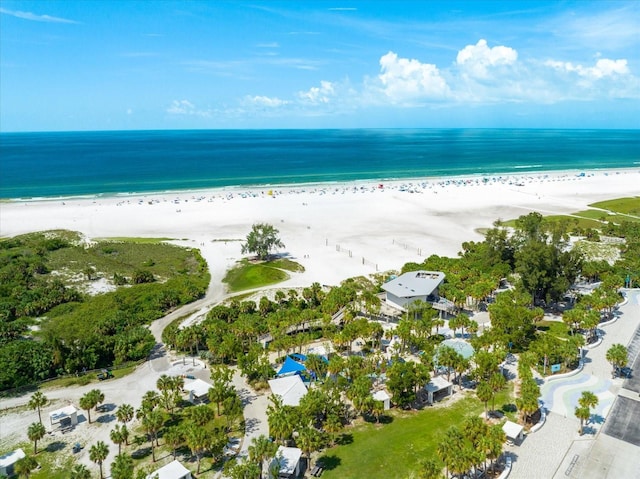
column 566, row 375
column 507, row 466
column 543, row 419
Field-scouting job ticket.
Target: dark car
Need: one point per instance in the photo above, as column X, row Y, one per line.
column 625, row 372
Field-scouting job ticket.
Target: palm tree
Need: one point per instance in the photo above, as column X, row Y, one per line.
column 173, row 437
column 152, row 423
column 261, row 449
column 86, row 403
column 497, row 382
column 150, row 400
column 98, row 397
column 484, row 393
column 122, row 467
column 117, row 436
column 617, row 356
column 582, row 413
column 36, row 432
column 80, row 471
column 333, row 425
column 165, row 386
column 448, row 357
column 279, row 420
column 38, row 400
column 24, row 466
column 90, row 400
column 197, row 440
column 309, row 440
column 98, row 453
column 588, row 400
column 377, row 410
column 449, row 448
column 494, row 442
column 124, row 413
column 429, row 469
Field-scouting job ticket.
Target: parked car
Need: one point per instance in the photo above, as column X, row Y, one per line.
column 625, row 372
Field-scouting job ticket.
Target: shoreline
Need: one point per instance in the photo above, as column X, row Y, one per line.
column 335, row 231
column 427, row 181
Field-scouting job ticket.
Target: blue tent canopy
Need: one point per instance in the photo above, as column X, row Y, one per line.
column 299, row 357
column 291, row 367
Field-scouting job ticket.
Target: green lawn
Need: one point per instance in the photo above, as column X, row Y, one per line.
column 556, row 328
column 287, row 264
column 394, row 450
column 604, row 216
column 54, row 458
column 246, row 275
column 629, row 206
column 574, row 221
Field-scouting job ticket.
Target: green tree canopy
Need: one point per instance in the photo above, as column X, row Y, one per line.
column 261, row 240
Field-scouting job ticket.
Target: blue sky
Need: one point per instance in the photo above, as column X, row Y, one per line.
column 109, row 65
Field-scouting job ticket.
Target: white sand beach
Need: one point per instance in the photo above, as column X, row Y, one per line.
column 336, row 231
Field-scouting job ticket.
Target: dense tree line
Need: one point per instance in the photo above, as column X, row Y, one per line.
column 48, row 327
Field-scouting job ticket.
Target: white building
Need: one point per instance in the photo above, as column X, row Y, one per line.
column 8, row 460
column 66, row 416
column 286, row 464
column 383, row 397
column 173, row 470
column 413, row 286
column 437, row 384
column 198, row 390
column 289, row 388
column 513, row 431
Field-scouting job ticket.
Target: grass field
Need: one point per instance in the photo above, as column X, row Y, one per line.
column 582, row 222
column 246, row 275
column 628, row 206
column 556, row 328
column 383, row 451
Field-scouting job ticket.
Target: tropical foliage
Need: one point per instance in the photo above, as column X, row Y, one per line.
column 38, row 286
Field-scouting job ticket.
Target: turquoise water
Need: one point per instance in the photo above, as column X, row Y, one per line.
column 91, row 163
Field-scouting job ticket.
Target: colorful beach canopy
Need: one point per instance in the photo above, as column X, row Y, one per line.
column 290, row 366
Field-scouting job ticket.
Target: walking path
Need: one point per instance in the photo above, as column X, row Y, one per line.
column 556, row 450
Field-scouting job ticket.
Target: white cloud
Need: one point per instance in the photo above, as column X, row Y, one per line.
column 604, row 67
column 318, row 95
column 268, row 45
column 404, row 80
column 479, row 58
column 185, row 107
column 35, row 18
column 477, row 74
column 265, row 101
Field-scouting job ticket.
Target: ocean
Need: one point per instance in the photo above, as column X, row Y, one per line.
column 110, row 162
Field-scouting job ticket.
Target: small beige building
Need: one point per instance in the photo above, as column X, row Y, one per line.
column 286, row 463
column 8, row 461
column 383, row 397
column 438, row 384
column 198, row 390
column 66, row 416
column 173, row 470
